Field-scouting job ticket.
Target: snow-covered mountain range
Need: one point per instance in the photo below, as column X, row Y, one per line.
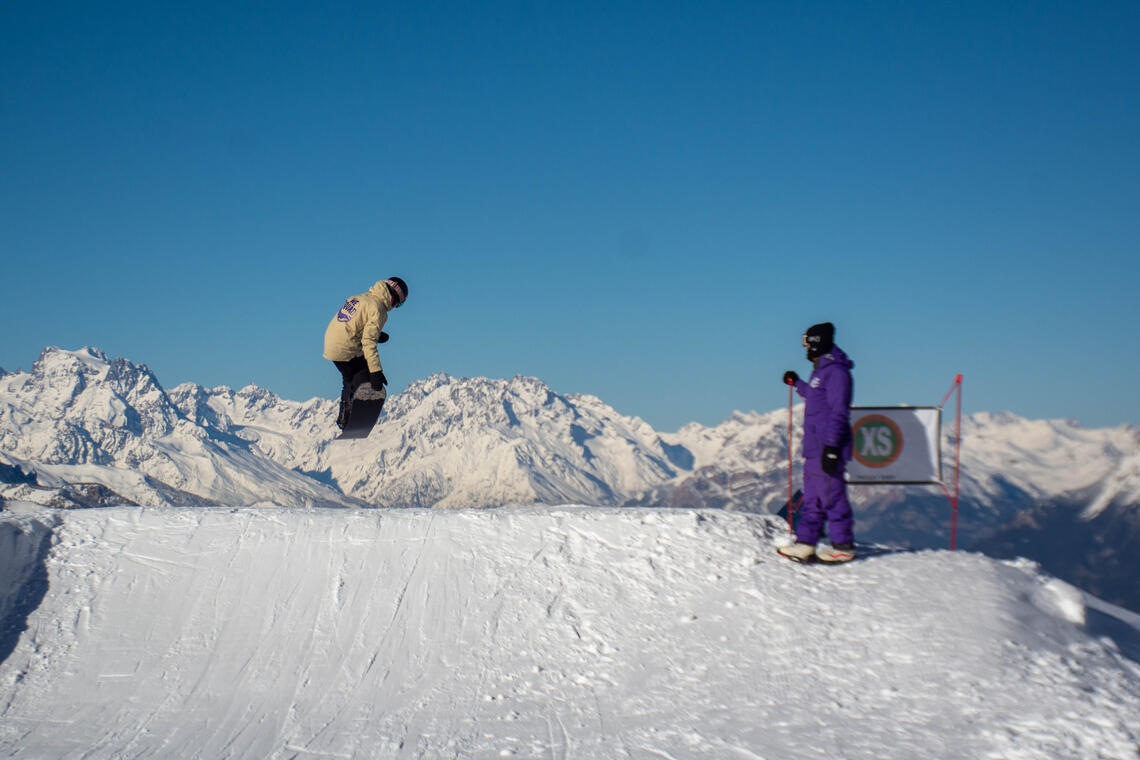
column 82, row 429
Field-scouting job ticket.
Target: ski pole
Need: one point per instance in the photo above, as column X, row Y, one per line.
column 791, row 397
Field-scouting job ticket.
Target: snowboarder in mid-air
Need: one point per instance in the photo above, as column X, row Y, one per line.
column 826, row 451
column 351, row 341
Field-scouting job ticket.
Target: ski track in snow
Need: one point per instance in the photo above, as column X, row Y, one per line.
column 541, row 633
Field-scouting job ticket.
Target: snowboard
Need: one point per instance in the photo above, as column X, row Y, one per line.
column 363, row 413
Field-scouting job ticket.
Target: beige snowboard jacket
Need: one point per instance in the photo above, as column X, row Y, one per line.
column 355, row 330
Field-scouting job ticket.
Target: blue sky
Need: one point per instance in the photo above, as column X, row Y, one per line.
column 648, row 202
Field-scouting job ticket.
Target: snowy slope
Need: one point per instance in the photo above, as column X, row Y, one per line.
column 564, row 632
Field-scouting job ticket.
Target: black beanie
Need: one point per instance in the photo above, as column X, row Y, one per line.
column 819, row 339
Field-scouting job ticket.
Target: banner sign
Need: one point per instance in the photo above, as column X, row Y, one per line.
column 895, row 445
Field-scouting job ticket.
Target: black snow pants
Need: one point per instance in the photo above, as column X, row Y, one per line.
column 353, row 373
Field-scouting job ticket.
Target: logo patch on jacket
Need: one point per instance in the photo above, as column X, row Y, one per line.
column 346, row 311
column 814, row 382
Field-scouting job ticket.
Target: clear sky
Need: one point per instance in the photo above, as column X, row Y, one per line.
column 646, row 201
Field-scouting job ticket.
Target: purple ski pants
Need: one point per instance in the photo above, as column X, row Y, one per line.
column 825, row 498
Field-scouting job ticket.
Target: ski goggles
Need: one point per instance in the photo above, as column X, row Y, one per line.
column 400, row 294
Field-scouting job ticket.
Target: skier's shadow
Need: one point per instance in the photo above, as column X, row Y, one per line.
column 30, row 590
column 869, row 551
column 1126, row 637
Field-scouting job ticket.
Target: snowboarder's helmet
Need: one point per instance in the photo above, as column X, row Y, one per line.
column 399, row 290
column 819, row 339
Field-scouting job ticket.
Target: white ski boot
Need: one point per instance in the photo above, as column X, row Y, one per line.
column 836, row 554
column 798, row 551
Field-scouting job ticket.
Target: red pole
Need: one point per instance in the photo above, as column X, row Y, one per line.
column 957, row 463
column 956, row 387
column 791, row 397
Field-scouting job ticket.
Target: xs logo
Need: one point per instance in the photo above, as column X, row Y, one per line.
column 878, row 440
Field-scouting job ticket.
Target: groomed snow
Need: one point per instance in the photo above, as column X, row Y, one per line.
column 536, row 633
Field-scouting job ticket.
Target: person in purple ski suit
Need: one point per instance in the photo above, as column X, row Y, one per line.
column 826, row 450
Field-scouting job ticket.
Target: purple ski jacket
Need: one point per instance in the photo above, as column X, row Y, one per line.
column 827, row 405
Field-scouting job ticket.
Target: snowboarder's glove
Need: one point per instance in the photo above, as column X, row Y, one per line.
column 383, row 337
column 791, row 378
column 377, row 380
column 830, row 460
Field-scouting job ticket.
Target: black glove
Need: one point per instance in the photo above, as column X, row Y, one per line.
column 830, row 460
column 791, row 378
column 383, row 337
column 377, row 380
